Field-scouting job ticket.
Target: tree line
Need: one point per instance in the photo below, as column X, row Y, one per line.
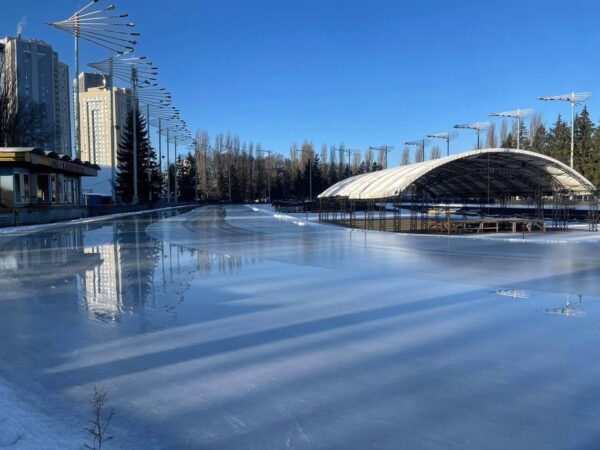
column 228, row 169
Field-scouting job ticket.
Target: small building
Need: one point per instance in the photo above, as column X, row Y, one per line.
column 31, row 176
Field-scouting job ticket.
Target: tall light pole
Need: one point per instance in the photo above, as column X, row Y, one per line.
column 140, row 73
column 228, row 152
column 179, row 135
column 268, row 152
column 165, row 119
column 385, row 149
column 477, row 126
column 448, row 136
column 122, row 68
column 419, row 143
column 574, row 98
column 310, row 163
column 100, row 28
column 517, row 115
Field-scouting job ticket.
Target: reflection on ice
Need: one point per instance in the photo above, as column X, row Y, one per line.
column 570, row 309
column 514, row 293
column 228, row 329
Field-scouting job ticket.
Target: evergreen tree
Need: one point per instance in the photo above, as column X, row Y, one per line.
column 560, row 141
column 149, row 179
column 584, row 135
column 187, row 178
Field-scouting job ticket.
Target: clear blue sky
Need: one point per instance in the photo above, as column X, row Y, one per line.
column 359, row 72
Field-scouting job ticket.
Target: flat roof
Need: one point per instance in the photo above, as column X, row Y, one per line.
column 33, row 156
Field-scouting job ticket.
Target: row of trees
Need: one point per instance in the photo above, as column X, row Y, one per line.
column 233, row 170
column 230, row 169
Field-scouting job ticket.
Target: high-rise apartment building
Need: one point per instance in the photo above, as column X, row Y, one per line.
column 41, row 80
column 94, row 107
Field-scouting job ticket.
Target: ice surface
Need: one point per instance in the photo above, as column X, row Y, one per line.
column 228, row 328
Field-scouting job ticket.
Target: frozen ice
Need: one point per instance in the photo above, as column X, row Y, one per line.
column 229, row 328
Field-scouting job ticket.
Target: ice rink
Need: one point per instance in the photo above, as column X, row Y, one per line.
column 228, row 328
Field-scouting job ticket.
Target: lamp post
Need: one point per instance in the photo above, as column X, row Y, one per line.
column 104, row 30
column 140, row 73
column 310, row 163
column 180, row 135
column 382, row 148
column 448, row 136
column 419, row 143
column 477, row 126
column 268, row 152
column 517, row 114
column 574, row 98
column 227, row 151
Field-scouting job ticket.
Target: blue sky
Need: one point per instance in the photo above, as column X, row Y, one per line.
column 359, row 72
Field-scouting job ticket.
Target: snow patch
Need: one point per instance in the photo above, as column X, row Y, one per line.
column 24, row 427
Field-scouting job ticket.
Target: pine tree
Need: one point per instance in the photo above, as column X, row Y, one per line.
column 560, row 141
column 149, row 182
column 584, row 134
column 187, row 178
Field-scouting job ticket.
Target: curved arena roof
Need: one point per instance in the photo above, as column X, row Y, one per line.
column 499, row 171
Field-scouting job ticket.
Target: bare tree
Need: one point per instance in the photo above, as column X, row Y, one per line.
column 294, row 156
column 381, row 153
column 405, row 160
column 101, row 420
column 420, row 154
column 435, row 152
column 503, row 131
column 491, row 141
column 535, row 123
column 369, row 158
column 355, row 162
column 324, row 161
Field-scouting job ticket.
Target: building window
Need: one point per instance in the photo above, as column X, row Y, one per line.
column 21, row 187
column 43, row 189
column 54, row 188
column 17, row 187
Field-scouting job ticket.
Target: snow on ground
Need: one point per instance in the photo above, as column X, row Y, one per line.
column 24, row 427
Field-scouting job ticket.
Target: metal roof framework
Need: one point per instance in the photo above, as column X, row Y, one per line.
column 472, row 174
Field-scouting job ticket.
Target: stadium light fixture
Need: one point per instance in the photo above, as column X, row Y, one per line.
column 574, row 98
column 477, row 126
column 102, row 28
column 448, row 136
column 419, row 143
column 382, row 148
column 517, row 114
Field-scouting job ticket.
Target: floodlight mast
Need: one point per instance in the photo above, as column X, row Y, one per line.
column 100, row 29
column 140, row 73
column 269, row 153
column 419, row 143
column 310, row 163
column 477, row 126
column 574, row 98
column 517, row 114
column 382, row 148
column 445, row 136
